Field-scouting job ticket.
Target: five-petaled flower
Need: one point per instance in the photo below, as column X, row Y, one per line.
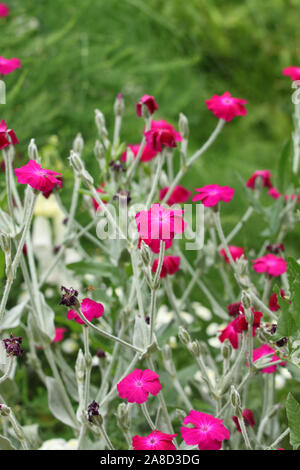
column 270, row 264
column 149, row 102
column 7, row 136
column 170, row 265
column 137, row 385
column 38, row 178
column 212, row 194
column 156, row 440
column 226, row 106
column 179, row 195
column 8, row 66
column 89, row 308
column 235, row 251
column 208, row 433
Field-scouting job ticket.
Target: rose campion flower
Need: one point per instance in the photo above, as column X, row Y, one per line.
column 235, row 308
column 8, row 66
column 226, row 106
column 212, row 194
column 273, row 301
column 274, row 193
column 265, row 350
column 7, row 136
column 179, row 195
column 235, row 251
column 90, row 310
column 208, row 433
column 154, row 244
column 270, row 264
column 149, row 102
column 248, row 419
column 161, row 134
column 241, row 323
column 59, row 335
column 160, row 223
column 263, row 175
column 38, row 178
column 137, row 385
column 147, row 153
column 238, row 325
column 170, row 265
column 230, row 333
column 4, row 10
column 156, row 440
column 292, row 72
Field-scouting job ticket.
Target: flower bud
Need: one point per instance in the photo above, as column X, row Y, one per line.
column 226, row 349
column 246, row 300
column 236, row 401
column 100, row 123
column 145, row 253
column 33, row 151
column 4, row 242
column 80, row 366
column 119, row 106
column 184, row 336
column 195, row 349
column 78, row 144
column 183, row 126
column 99, row 150
column 76, row 162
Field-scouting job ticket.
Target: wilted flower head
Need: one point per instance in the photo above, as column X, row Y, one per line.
column 208, row 433
column 137, row 385
column 69, row 298
column 212, row 194
column 170, row 265
column 270, row 264
column 7, row 136
column 12, row 345
column 156, row 440
column 8, row 66
column 4, row 10
column 275, row 248
column 234, row 309
column 235, row 251
column 59, row 335
column 90, row 310
column 147, row 101
column 93, row 410
column 265, row 177
column 293, row 72
column 226, row 106
column 38, row 178
column 179, row 195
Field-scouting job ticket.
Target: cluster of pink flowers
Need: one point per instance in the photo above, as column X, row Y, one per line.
column 264, row 178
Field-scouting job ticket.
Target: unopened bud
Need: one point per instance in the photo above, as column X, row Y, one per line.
column 33, row 151
column 184, row 126
column 99, row 150
column 119, row 106
column 246, row 300
column 80, row 366
column 78, row 144
column 145, row 253
column 195, row 348
column 184, row 336
column 4, row 242
column 226, row 349
column 76, row 162
column 236, row 401
column 100, row 123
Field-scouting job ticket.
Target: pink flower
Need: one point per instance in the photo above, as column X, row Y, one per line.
column 212, row 194
column 179, row 195
column 170, row 265
column 238, row 325
column 235, row 251
column 248, row 418
column 292, row 197
column 137, row 385
column 38, row 178
column 235, row 308
column 147, row 101
column 273, row 301
column 59, row 335
column 90, row 310
column 154, row 245
column 147, row 154
column 265, row 350
column 271, row 264
column 242, row 325
column 9, row 65
column 274, row 193
column 292, row 72
column 226, row 106
column 161, row 134
column 7, row 136
column 230, row 333
column 156, row 440
column 4, row 10
column 100, row 191
column 208, row 433
column 159, row 223
column 264, row 175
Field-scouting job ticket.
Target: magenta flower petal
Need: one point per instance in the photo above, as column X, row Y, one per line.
column 4, row 10
column 212, row 194
column 38, row 178
column 8, row 66
column 270, row 264
column 226, row 106
column 149, row 102
column 292, row 72
column 156, row 440
column 235, row 251
column 137, row 385
column 208, row 433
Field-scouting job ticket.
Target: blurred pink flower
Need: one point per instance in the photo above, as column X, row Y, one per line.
column 8, row 66
column 147, row 154
column 59, row 335
column 226, row 106
column 37, row 177
column 4, row 10
column 235, row 308
column 273, row 301
column 265, row 350
column 161, row 134
column 179, row 195
column 208, row 433
column 264, row 175
column 147, row 101
column 271, row 264
column 212, row 194
column 7, row 136
column 230, row 333
column 137, row 385
column 274, row 193
column 235, row 251
column 292, row 72
column 238, row 325
column 248, row 418
column 154, row 244
column 170, row 265
column 90, row 310
column 156, row 440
